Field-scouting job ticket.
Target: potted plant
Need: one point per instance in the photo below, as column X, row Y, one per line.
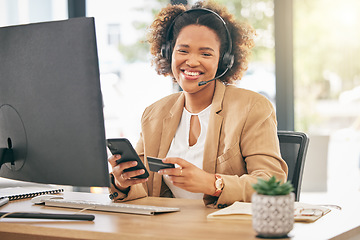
column 272, row 208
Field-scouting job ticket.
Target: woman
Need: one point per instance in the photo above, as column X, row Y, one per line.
column 221, row 138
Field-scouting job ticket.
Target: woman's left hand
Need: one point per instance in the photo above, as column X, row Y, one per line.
column 189, row 177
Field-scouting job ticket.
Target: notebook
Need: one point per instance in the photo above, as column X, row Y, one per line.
column 303, row 212
column 15, row 193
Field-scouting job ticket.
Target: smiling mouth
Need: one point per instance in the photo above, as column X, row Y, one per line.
column 190, row 73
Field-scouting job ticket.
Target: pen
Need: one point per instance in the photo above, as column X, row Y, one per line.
column 3, row 201
column 86, row 217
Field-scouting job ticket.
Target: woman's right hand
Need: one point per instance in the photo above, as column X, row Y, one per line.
column 123, row 180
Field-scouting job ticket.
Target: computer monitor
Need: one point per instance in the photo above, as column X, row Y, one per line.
column 51, row 111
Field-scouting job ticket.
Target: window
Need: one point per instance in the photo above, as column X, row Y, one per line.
column 327, row 86
column 13, row 12
column 129, row 82
column 114, row 37
column 260, row 76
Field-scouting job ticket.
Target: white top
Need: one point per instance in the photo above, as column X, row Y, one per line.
column 194, row 154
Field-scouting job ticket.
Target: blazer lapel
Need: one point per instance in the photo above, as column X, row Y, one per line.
column 214, row 128
column 170, row 125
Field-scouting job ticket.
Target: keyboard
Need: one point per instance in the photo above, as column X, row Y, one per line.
column 110, row 207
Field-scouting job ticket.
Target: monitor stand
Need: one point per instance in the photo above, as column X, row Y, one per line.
column 13, row 142
column 7, row 155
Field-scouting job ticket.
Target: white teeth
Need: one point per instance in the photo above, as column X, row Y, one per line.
column 191, row 73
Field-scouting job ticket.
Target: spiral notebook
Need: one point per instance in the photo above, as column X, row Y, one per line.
column 15, row 193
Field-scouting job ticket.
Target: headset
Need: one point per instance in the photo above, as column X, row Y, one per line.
column 226, row 61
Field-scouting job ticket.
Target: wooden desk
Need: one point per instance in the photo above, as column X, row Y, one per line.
column 189, row 223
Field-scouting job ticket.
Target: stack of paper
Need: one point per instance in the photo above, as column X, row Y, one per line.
column 303, row 212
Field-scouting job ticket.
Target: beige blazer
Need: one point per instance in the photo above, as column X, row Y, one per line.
column 241, row 143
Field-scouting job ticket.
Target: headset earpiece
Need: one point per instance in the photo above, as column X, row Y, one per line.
column 166, row 50
column 226, row 62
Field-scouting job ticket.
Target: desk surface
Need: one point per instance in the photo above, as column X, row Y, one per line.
column 189, row 223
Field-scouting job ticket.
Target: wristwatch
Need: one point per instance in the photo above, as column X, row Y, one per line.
column 219, row 185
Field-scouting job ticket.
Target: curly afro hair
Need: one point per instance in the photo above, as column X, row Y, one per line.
column 242, row 36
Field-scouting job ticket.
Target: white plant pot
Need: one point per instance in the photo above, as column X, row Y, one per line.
column 272, row 216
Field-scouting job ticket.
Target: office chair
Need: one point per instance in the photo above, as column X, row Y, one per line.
column 293, row 148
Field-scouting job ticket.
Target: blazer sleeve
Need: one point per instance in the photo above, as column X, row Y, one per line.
column 259, row 149
column 135, row 192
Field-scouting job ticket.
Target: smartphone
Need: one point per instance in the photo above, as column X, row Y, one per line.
column 155, row 164
column 123, row 147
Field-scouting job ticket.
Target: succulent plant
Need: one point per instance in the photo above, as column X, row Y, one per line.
column 272, row 187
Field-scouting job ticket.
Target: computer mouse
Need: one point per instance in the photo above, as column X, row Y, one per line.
column 42, row 198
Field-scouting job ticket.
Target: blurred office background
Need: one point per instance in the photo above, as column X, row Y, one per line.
column 306, row 61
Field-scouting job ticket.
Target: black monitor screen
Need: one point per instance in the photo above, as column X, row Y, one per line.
column 51, row 116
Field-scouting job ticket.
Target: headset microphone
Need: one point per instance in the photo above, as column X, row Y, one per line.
column 206, row 82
